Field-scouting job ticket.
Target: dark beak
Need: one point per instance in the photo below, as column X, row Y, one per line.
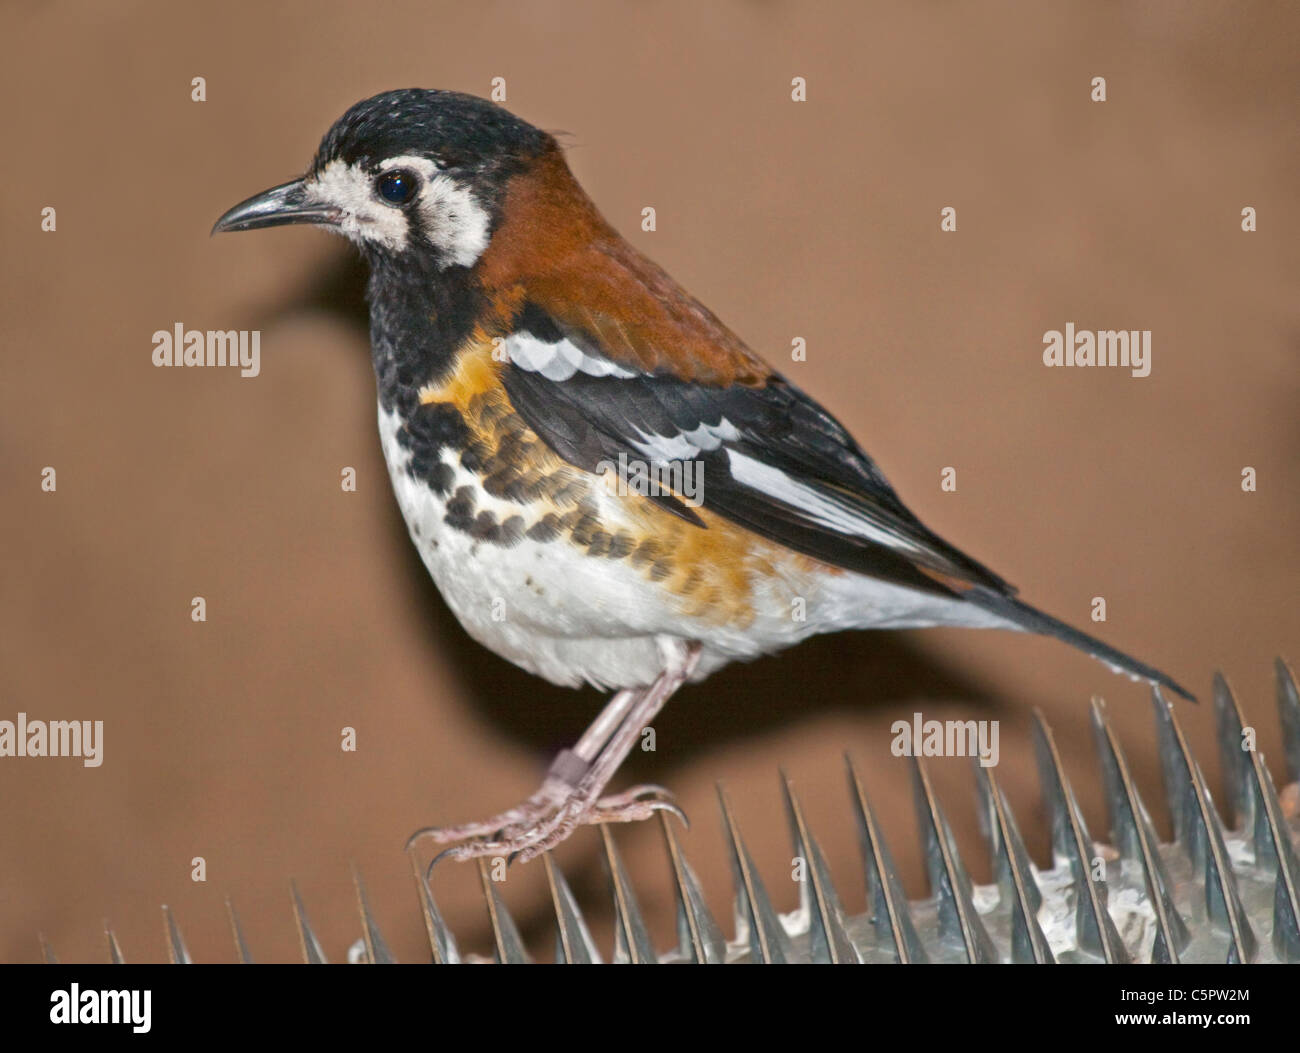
column 275, row 207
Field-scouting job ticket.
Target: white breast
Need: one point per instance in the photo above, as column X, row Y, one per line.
column 545, row 606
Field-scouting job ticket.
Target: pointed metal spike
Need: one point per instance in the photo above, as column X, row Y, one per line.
column 1134, row 836
column 1179, row 795
column 1020, row 891
column 377, row 952
column 176, row 952
column 986, row 813
column 1221, row 898
column 829, row 942
column 633, row 943
column 506, row 941
column 769, row 943
column 114, row 951
column 1096, row 930
column 1272, row 835
column 573, row 942
column 1028, row 943
column 1123, row 827
column 1242, row 772
column 1006, row 846
column 307, row 942
column 949, row 881
column 1053, row 791
column 1288, row 708
column 1232, row 758
column 47, row 952
column 442, row 945
column 237, row 933
column 890, row 913
column 698, row 935
column 1286, row 897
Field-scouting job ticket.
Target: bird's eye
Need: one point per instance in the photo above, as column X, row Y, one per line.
column 397, row 187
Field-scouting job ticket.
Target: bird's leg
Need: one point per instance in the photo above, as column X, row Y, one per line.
column 565, row 773
column 583, row 772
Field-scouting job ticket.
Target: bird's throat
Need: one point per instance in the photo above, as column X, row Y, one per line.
column 419, row 316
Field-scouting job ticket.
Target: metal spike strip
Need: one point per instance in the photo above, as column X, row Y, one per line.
column 1238, row 793
column 699, row 939
column 377, row 952
column 1095, row 929
column 176, row 952
column 886, row 905
column 632, row 938
column 237, row 933
column 1288, row 710
column 769, row 943
column 1215, row 892
column 1264, row 815
column 442, row 945
column 573, row 942
column 1131, row 832
column 949, row 881
column 506, row 941
column 1202, row 823
column 307, row 942
column 114, row 951
column 829, row 943
column 1016, row 884
column 1286, row 900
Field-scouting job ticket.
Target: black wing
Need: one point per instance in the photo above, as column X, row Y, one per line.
column 773, row 460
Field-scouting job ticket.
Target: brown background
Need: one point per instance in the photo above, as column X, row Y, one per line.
column 819, row 220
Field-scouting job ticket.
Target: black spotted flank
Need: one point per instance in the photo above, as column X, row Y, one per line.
column 428, row 431
column 579, row 526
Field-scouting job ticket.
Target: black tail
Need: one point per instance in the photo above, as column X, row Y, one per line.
column 1035, row 621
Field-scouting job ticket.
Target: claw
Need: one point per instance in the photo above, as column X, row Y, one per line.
column 424, row 831
column 673, row 809
column 446, row 853
column 635, row 794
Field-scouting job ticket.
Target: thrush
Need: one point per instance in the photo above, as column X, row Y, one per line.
column 606, row 484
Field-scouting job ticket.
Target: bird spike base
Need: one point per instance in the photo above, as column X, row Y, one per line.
column 1216, row 894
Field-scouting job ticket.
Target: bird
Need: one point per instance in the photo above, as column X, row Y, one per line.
column 607, row 485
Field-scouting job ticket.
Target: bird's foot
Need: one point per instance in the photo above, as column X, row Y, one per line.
column 545, row 819
column 550, row 795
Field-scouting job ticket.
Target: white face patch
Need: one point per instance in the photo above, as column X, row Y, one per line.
column 452, row 221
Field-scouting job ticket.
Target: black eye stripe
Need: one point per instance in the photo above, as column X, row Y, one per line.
column 397, row 187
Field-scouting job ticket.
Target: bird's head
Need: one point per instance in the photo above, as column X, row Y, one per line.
column 410, row 175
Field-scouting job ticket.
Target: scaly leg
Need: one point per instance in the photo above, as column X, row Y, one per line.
column 570, row 796
column 565, row 772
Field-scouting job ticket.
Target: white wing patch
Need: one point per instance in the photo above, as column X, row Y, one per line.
column 817, row 507
column 558, row 361
column 685, row 444
column 562, row 360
